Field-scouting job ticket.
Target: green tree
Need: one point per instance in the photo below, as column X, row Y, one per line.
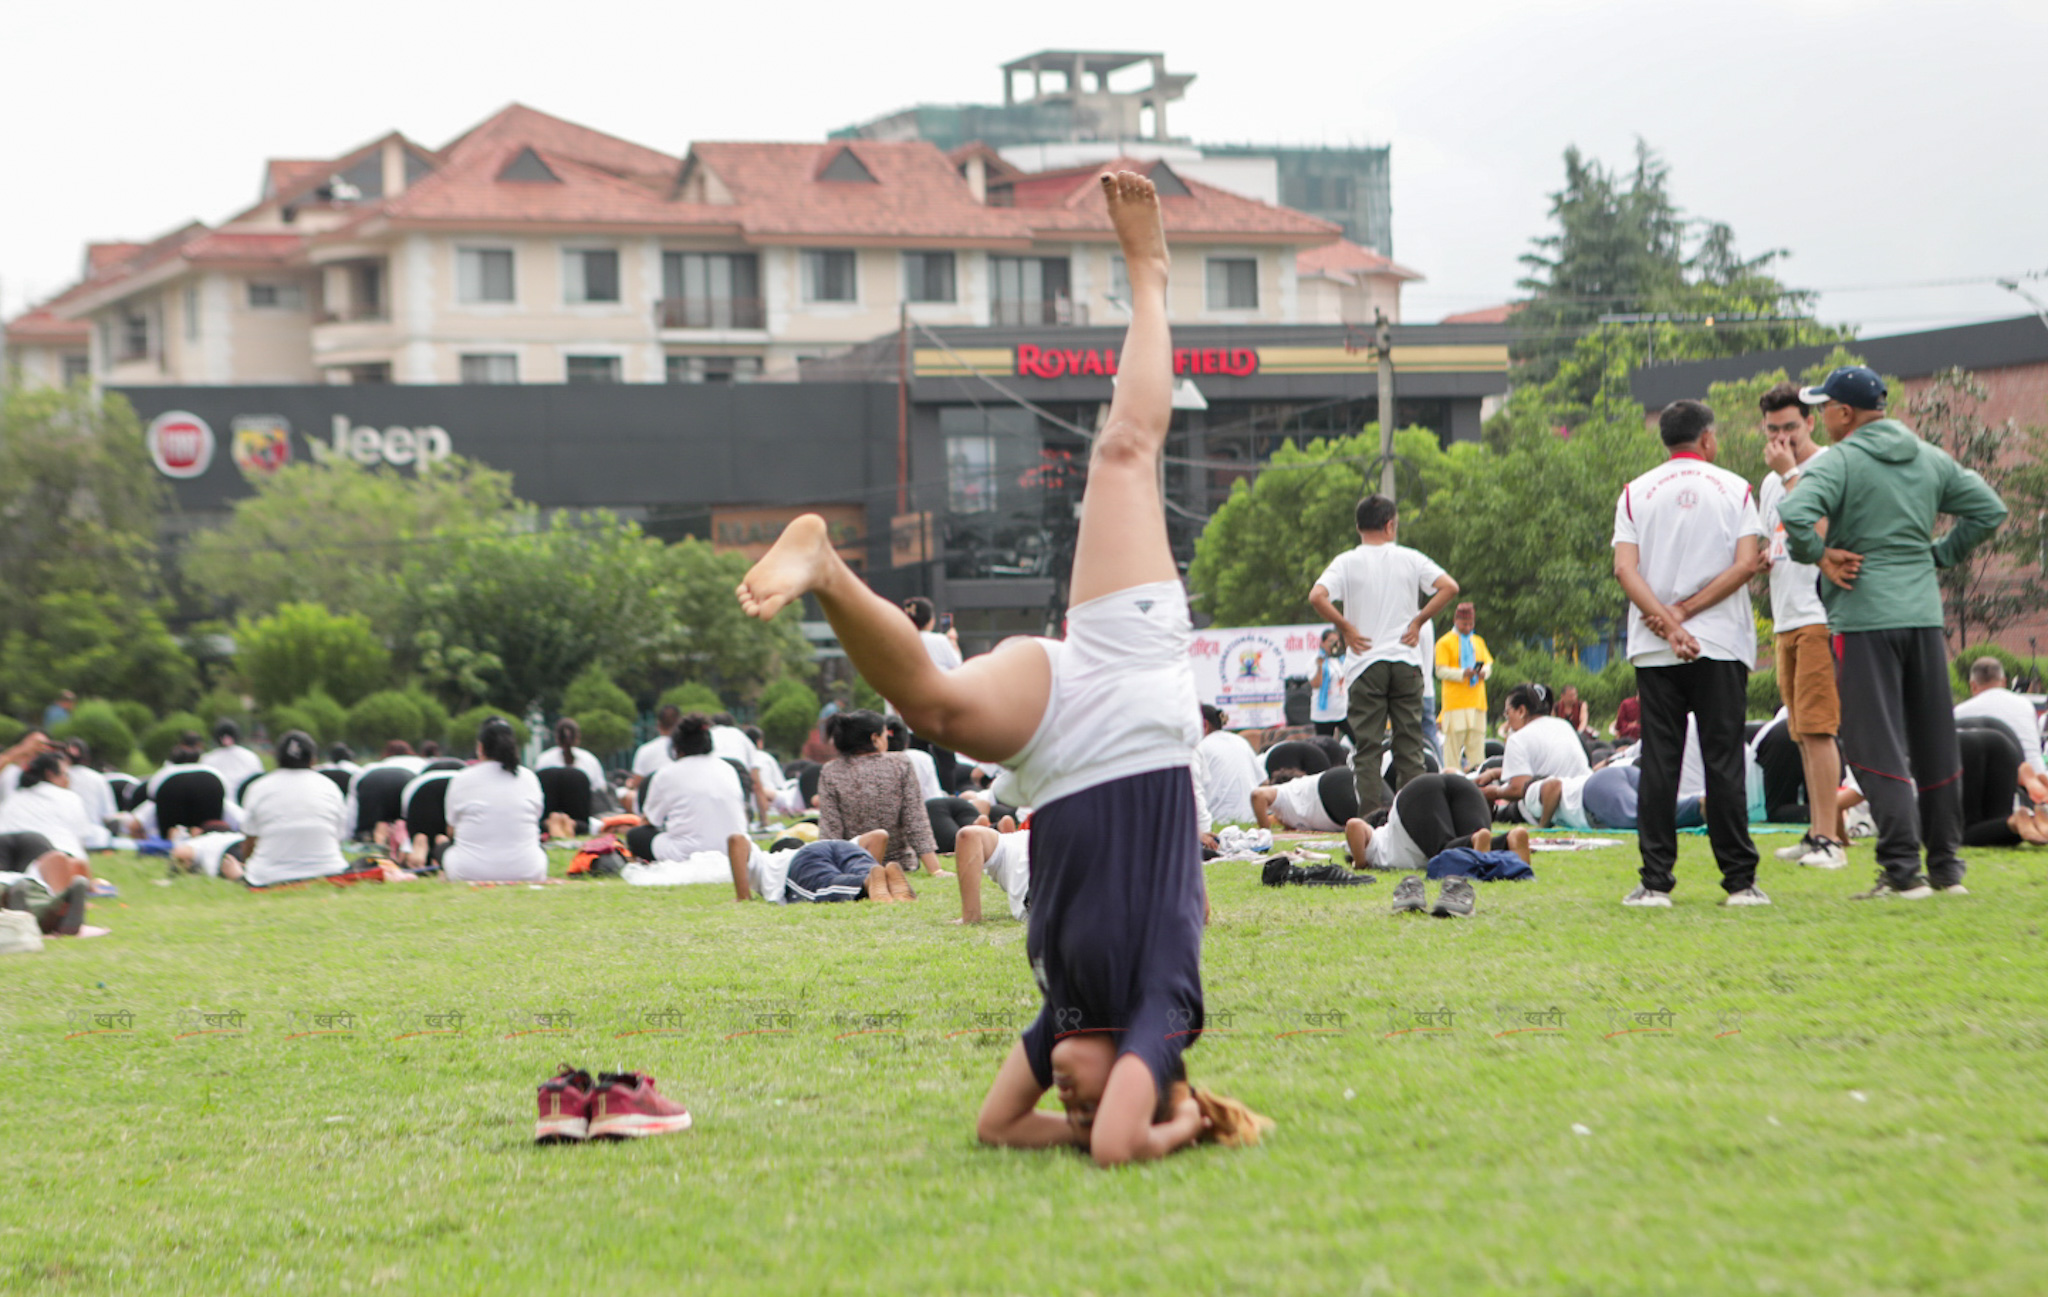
column 703, row 635
column 304, row 645
column 788, row 718
column 93, row 642
column 2003, row 579
column 79, row 501
column 1620, row 246
column 604, row 732
column 338, row 534
column 317, row 713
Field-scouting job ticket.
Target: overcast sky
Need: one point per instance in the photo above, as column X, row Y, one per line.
column 1887, row 146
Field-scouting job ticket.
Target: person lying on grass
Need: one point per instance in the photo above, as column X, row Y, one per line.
column 1098, row 733
column 830, row 869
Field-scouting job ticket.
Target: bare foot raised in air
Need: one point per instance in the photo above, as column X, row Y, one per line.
column 799, row 562
column 1134, row 211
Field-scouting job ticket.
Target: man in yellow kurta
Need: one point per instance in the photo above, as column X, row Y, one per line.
column 1464, row 664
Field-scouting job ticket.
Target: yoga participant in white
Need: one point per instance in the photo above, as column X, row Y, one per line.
column 494, row 814
column 1098, row 732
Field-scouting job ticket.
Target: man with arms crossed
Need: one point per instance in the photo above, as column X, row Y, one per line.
column 1381, row 584
column 1806, row 659
column 1880, row 488
column 1686, row 539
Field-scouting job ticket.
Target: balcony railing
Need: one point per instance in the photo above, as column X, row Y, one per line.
column 710, row 313
column 1058, row 310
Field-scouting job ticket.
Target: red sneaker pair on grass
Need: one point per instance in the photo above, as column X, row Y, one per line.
column 621, row 1105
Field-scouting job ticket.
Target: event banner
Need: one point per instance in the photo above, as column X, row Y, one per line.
column 1245, row 670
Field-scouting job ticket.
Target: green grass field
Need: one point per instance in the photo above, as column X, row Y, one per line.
column 1849, row 1098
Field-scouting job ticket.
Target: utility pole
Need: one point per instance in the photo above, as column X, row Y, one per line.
column 1383, row 343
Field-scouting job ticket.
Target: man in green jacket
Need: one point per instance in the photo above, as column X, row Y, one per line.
column 1880, row 490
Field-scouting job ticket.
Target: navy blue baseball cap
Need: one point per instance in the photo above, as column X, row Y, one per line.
column 1851, row 385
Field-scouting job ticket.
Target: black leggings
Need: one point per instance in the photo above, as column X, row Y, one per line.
column 1991, row 781
column 1296, row 754
column 1337, row 788
column 1326, row 728
column 1439, row 811
column 20, row 850
column 640, row 840
column 1778, row 756
column 949, row 815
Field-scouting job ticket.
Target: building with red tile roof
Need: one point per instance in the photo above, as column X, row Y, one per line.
column 533, row 249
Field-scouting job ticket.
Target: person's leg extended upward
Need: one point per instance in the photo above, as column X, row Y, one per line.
column 990, row 707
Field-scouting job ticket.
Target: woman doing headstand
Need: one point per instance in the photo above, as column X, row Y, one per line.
column 1098, row 732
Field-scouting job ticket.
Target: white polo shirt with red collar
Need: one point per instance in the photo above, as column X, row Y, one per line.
column 1684, row 517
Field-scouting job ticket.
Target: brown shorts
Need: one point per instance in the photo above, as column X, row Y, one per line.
column 1806, row 681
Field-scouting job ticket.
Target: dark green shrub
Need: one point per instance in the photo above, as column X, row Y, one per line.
column 605, row 732
column 694, row 697
column 592, row 692
column 102, row 728
column 160, row 738
column 136, row 716
column 382, row 716
column 462, row 729
column 788, row 721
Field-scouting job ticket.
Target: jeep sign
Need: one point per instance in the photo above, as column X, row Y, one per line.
column 396, row 445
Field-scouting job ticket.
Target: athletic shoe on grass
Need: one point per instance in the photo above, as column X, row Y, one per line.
column 1747, row 896
column 1826, row 854
column 1798, row 850
column 1953, row 889
column 627, row 1106
column 1884, row 891
column 564, row 1108
column 1410, row 894
column 1644, row 898
column 1454, row 900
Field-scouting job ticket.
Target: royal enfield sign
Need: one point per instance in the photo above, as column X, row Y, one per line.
column 1064, row 362
column 180, row 443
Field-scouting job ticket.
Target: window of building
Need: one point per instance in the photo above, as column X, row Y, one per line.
column 132, row 336
column 483, row 274
column 493, row 367
column 266, row 296
column 928, row 277
column 713, row 369
column 377, row 371
column 711, row 290
column 191, row 311
column 1233, row 284
column 77, row 365
column 593, row 369
column 366, row 291
column 971, row 473
column 830, row 277
column 590, row 275
column 1031, row 290
column 1120, row 278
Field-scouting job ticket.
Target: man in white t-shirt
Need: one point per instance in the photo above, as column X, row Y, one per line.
column 1806, row 651
column 655, row 752
column 1990, row 698
column 1382, row 586
column 1686, row 541
column 1226, row 768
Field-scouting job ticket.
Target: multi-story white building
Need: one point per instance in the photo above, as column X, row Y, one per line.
column 533, row 250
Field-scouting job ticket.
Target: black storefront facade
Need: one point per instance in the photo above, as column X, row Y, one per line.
column 951, row 467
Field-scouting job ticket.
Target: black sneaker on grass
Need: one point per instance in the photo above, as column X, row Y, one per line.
column 1410, row 894
column 1455, row 899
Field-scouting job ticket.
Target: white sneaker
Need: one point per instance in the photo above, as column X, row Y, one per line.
column 1643, row 897
column 1747, row 896
column 1826, row 853
column 1860, row 822
column 1884, row 891
column 1953, row 889
column 1798, row 850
